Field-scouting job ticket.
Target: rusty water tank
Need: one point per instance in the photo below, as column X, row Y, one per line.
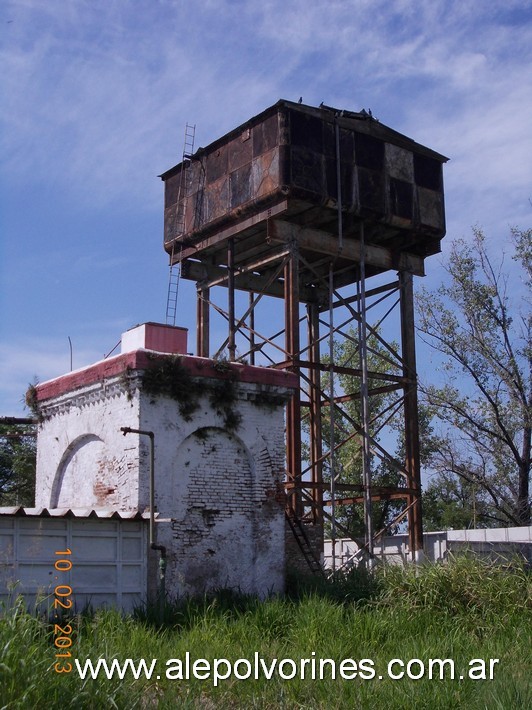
column 283, row 163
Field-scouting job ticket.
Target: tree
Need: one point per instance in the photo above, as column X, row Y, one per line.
column 452, row 503
column 483, row 407
column 17, row 463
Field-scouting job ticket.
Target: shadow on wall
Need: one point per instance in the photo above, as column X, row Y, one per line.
column 74, row 478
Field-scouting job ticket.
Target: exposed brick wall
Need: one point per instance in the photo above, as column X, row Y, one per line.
column 214, row 539
column 221, row 495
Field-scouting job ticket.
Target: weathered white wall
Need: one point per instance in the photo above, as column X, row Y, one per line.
column 83, row 460
column 217, row 492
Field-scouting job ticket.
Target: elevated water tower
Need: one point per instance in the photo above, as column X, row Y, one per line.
column 323, row 216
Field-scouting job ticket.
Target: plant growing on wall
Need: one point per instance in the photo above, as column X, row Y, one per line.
column 32, row 402
column 222, row 396
column 169, row 377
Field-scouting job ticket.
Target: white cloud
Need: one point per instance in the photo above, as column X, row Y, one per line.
column 96, row 95
column 34, row 359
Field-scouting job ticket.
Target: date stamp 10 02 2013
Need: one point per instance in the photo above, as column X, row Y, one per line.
column 62, row 601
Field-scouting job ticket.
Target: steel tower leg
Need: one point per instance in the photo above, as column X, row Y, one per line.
column 292, row 347
column 202, row 311
column 316, row 447
column 412, row 458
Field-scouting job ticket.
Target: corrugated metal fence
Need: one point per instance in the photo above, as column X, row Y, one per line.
column 107, row 556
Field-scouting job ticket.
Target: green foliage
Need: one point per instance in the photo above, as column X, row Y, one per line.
column 357, row 585
column 222, row 396
column 463, row 610
column 17, row 464
column 453, row 503
column 27, row 676
column 125, row 379
column 169, row 377
column 465, row 585
column 485, row 340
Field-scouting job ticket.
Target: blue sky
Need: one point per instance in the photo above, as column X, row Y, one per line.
column 96, row 94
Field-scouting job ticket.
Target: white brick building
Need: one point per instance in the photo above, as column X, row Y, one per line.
column 219, row 458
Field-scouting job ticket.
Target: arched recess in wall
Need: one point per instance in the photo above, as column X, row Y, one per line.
column 73, row 485
column 214, row 517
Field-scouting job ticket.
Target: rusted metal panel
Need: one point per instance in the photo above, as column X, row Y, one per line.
column 240, row 151
column 265, row 173
column 401, row 198
column 265, row 135
column 371, row 192
column 217, row 164
column 216, row 200
column 291, row 151
column 430, row 205
column 399, row 162
column 241, row 186
column 308, row 170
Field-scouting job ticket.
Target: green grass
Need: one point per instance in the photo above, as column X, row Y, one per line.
column 464, row 610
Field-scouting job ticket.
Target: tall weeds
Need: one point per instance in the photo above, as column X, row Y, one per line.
column 465, row 585
column 466, row 609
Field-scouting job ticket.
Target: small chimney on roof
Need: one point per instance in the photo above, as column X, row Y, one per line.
column 155, row 336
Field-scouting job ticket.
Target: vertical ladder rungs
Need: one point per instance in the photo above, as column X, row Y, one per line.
column 179, row 223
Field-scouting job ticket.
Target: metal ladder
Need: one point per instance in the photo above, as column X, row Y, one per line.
column 179, row 224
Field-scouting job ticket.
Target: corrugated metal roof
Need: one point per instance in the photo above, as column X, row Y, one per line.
column 75, row 513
